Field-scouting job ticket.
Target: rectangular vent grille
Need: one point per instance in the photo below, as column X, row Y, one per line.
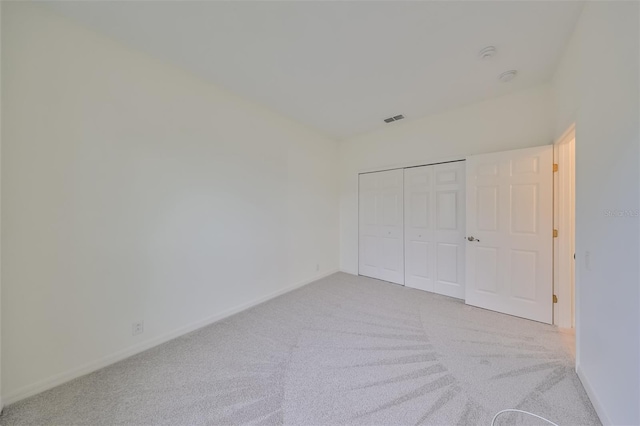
column 395, row 118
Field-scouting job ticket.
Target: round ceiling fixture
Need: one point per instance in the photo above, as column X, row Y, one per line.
column 487, row 53
column 507, row 76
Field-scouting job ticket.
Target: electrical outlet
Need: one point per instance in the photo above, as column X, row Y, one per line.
column 317, row 267
column 137, row 328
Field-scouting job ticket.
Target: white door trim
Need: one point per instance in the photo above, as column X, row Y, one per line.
column 564, row 222
column 407, row 165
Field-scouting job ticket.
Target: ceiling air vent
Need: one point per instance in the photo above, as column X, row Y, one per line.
column 395, row 118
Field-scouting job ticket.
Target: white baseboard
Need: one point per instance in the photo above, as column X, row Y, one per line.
column 346, row 271
column 92, row 366
column 604, row 418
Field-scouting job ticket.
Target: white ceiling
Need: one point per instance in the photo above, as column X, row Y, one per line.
column 342, row 67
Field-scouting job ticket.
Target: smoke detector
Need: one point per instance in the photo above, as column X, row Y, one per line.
column 487, row 53
column 507, row 76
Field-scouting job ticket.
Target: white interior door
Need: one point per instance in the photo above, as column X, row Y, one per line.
column 419, row 235
column 434, row 228
column 509, row 228
column 381, row 251
column 449, row 179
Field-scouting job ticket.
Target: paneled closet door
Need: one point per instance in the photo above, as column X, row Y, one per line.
column 449, row 211
column 434, row 228
column 381, row 226
column 418, row 233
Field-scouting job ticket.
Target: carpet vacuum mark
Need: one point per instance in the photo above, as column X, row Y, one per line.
column 344, row 350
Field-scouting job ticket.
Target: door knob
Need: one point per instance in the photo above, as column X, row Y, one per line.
column 472, row 238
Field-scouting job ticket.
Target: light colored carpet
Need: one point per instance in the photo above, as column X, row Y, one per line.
column 342, row 350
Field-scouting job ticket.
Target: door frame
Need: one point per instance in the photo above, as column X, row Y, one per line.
column 564, row 221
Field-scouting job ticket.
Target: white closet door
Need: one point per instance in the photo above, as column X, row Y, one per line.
column 381, row 225
column 419, row 233
column 434, row 228
column 509, row 227
column 449, row 212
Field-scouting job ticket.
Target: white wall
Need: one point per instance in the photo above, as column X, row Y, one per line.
column 596, row 86
column 519, row 120
column 131, row 190
column 1, row 400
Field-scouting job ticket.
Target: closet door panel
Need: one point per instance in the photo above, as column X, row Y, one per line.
column 449, row 232
column 434, row 228
column 418, row 231
column 381, row 220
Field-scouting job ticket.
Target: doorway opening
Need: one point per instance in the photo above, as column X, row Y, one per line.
column 564, row 220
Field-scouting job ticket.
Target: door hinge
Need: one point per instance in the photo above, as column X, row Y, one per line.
column 555, row 167
column 555, row 299
column 555, row 233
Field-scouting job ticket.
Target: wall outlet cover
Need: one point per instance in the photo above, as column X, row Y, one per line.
column 137, row 328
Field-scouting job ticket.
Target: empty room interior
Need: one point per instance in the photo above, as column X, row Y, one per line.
column 320, row 212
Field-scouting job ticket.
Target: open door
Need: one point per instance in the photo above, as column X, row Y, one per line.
column 509, row 243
